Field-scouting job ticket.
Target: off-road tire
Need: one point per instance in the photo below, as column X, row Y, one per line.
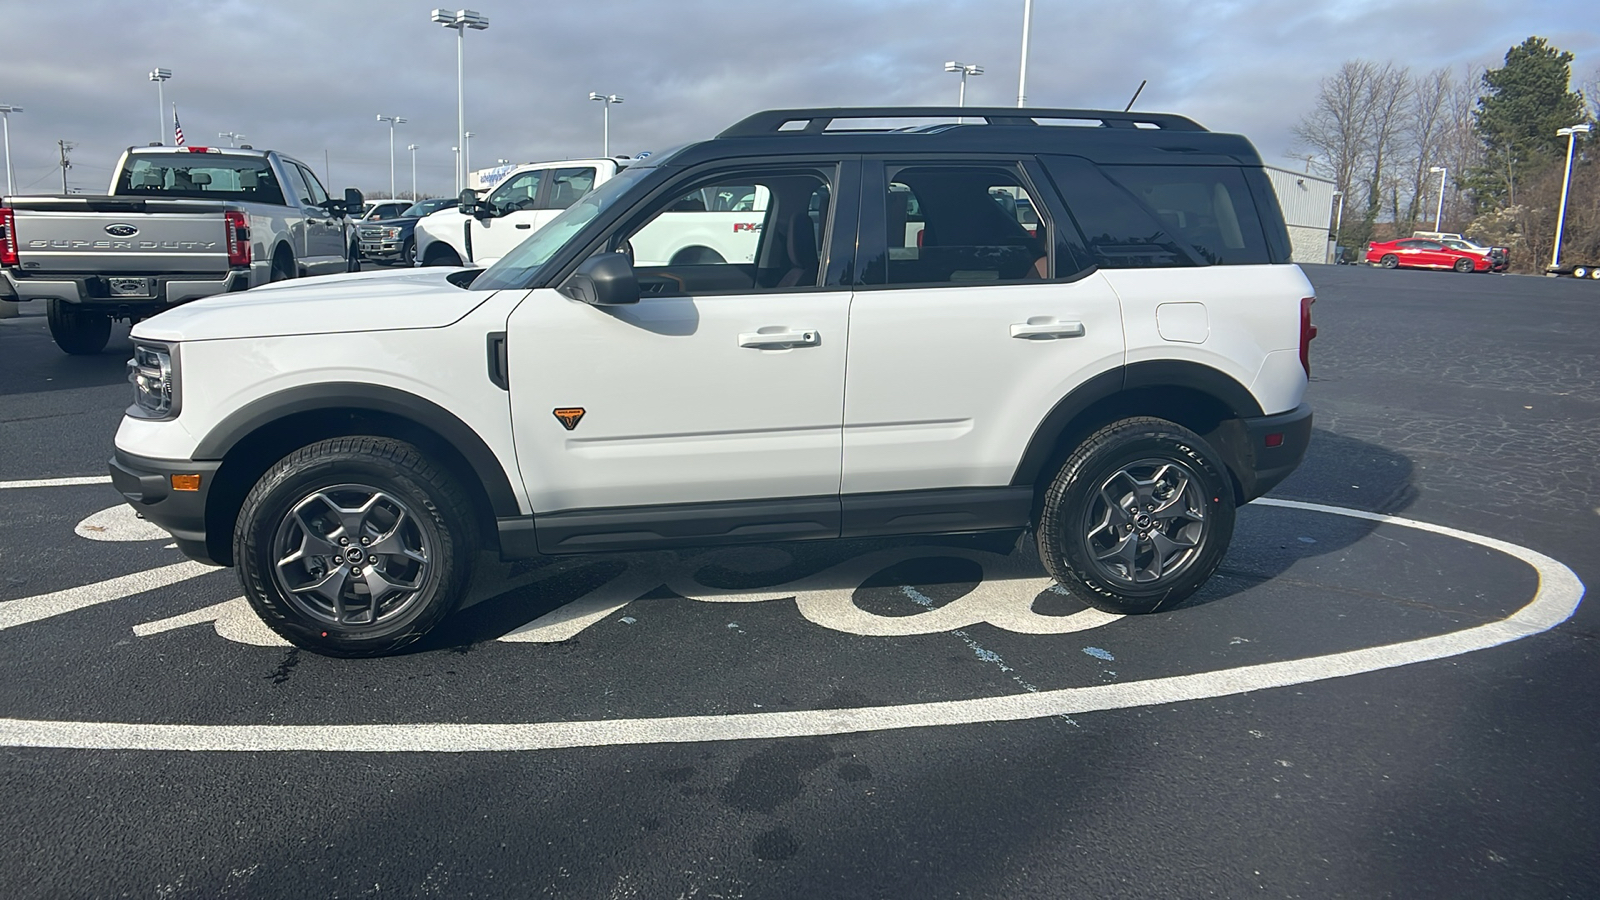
column 445, row 529
column 1065, row 533
column 77, row 332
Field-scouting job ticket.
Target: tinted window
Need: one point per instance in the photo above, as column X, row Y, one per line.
column 959, row 224
column 567, row 185
column 1206, row 207
column 201, row 175
column 1119, row 231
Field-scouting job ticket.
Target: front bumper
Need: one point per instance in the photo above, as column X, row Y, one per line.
column 147, row 485
column 382, row 249
column 1275, row 447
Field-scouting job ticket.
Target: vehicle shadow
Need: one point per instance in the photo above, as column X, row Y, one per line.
column 1338, row 471
column 30, row 362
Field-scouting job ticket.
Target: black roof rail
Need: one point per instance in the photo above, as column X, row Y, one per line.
column 817, row 121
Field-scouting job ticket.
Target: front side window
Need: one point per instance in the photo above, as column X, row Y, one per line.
column 960, row 224
column 732, row 233
column 319, row 196
column 519, row 192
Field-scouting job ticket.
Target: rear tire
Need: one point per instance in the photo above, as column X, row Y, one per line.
column 355, row 546
column 282, row 268
column 1464, row 265
column 1581, row 272
column 77, row 332
column 1138, row 517
column 1390, row 261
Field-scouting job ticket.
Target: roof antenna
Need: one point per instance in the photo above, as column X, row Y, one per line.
column 1136, row 94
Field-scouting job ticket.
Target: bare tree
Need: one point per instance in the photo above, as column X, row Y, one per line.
column 1387, row 95
column 1426, row 121
column 1337, row 129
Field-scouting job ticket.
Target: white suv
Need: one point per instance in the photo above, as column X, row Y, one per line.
column 1095, row 333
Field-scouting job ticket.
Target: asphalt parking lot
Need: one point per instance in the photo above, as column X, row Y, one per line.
column 1388, row 689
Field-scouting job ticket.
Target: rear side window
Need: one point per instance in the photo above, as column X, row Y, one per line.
column 568, row 185
column 203, row 176
column 1207, row 208
column 960, row 224
column 1119, row 231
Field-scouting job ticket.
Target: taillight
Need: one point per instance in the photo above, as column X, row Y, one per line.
column 1307, row 332
column 8, row 236
column 238, row 238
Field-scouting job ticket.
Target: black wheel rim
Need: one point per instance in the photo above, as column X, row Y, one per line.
column 351, row 557
column 1145, row 523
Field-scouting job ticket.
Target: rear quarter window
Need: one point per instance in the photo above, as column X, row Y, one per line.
column 1208, row 208
column 1118, row 230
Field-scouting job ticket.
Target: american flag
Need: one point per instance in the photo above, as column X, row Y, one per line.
column 177, row 130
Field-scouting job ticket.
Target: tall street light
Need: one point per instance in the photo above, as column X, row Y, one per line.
column 965, row 70
column 1022, row 76
column 1571, row 134
column 6, row 110
column 393, row 121
column 413, row 149
column 466, row 157
column 457, row 152
column 231, row 136
column 159, row 76
column 1338, row 225
column 1438, row 212
column 461, row 20
column 605, row 119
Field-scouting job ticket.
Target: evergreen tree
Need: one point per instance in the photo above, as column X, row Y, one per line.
column 1523, row 104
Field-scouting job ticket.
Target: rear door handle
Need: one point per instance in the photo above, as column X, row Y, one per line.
column 769, row 340
column 1047, row 330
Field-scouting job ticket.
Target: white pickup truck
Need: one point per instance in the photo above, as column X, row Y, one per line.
column 706, row 228
column 177, row 224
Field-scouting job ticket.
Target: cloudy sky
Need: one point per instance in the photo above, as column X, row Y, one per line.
column 309, row 77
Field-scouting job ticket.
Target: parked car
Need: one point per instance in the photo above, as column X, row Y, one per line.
column 384, row 209
column 523, row 202
column 1418, row 253
column 1499, row 257
column 1086, row 334
column 177, row 223
column 392, row 239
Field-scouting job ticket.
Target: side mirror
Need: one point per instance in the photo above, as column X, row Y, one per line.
column 468, row 202
column 353, row 202
column 605, row 279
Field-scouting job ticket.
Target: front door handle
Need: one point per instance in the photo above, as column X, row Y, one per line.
column 524, row 224
column 1046, row 330
column 779, row 339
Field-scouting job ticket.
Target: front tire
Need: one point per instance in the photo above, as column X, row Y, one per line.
column 355, row 546
column 1138, row 517
column 408, row 253
column 76, row 331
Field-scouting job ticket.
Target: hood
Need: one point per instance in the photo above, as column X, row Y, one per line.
column 360, row 301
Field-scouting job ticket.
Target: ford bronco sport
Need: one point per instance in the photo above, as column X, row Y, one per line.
column 1092, row 332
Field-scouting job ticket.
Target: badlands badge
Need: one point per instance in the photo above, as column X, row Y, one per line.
column 570, row 417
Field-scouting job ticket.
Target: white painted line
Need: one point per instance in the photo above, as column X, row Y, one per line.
column 120, row 523
column 56, row 482
column 32, row 609
column 193, row 617
column 1557, row 597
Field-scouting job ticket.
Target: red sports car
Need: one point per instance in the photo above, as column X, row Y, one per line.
column 1419, row 253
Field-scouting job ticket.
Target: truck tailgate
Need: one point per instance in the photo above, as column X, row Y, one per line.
column 116, row 235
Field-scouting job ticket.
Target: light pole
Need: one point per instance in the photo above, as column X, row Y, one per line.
column 457, row 152
column 6, row 110
column 393, row 121
column 159, row 76
column 1438, row 212
column 965, row 70
column 231, row 136
column 605, row 119
column 1571, row 134
column 466, row 157
column 461, row 20
column 1022, row 76
column 1338, row 225
column 413, row 149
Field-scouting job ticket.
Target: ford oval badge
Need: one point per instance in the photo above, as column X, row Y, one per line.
column 120, row 230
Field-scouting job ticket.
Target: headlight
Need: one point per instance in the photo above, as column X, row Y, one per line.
column 391, row 233
column 155, row 381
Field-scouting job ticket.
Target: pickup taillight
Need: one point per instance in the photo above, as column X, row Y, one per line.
column 1307, row 332
column 238, row 238
column 8, row 236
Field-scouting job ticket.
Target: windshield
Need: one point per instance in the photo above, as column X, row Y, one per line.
column 517, row 268
column 422, row 208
